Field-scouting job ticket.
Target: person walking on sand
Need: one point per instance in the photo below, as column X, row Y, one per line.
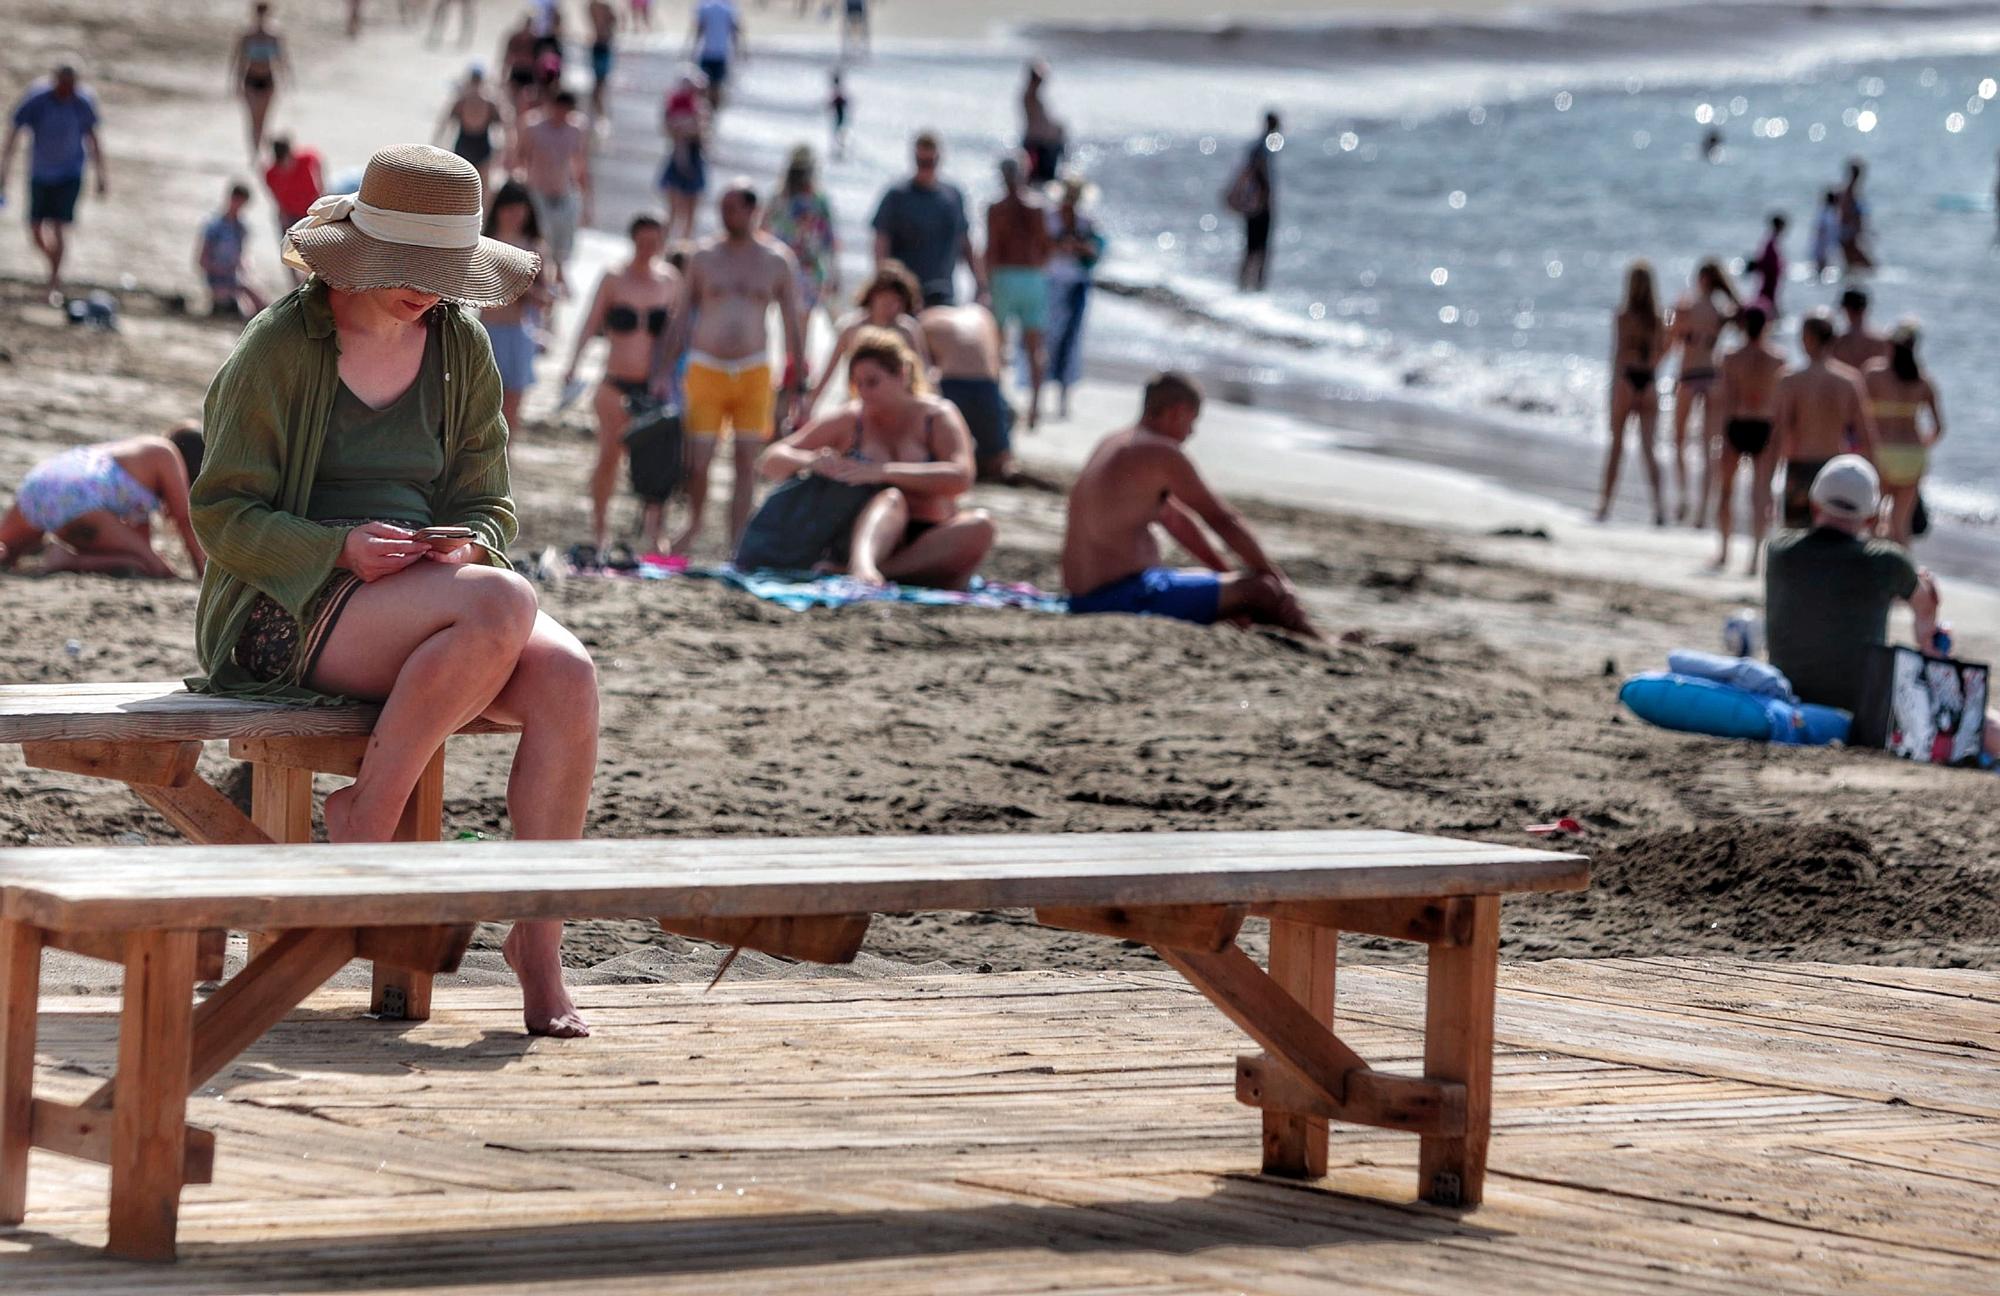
column 1821, row 411
column 733, row 281
column 1854, row 220
column 799, row 217
column 1696, row 331
column 60, row 117
column 1769, row 266
column 517, row 68
column 836, row 114
column 255, row 68
column 921, row 223
column 1043, row 136
column 1017, row 260
column 1746, row 392
column 855, row 39
column 1253, row 195
column 295, row 182
column 630, row 310
column 218, row 254
column 1076, row 246
column 358, row 410
column 91, row 509
column 897, row 436
column 966, row 349
column 684, row 178
column 1857, row 346
column 1638, row 341
column 1111, row 558
column 715, row 42
column 1902, row 399
column 603, row 34
column 554, row 149
column 466, row 18
column 472, row 118
column 512, row 326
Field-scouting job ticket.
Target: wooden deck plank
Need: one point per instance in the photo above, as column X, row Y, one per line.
column 1046, row 1133
column 164, row 711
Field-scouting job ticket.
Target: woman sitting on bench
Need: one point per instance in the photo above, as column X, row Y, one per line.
column 355, row 506
column 96, row 503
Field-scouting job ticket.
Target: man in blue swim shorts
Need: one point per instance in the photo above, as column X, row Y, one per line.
column 1141, row 476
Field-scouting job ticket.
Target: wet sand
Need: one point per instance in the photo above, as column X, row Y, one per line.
column 1485, row 701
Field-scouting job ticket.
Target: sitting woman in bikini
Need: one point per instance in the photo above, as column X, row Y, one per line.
column 1899, row 392
column 96, row 504
column 631, row 309
column 896, row 435
column 356, row 510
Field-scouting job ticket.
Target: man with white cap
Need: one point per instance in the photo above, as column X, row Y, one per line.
column 1828, row 590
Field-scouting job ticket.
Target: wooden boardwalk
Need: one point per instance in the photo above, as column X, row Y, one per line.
column 1660, row 1127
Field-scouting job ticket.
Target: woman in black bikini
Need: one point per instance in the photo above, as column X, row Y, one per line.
column 260, row 56
column 1638, row 342
column 631, row 309
column 898, row 436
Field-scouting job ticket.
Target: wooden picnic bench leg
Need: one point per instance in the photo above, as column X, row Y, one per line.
column 149, row 1112
column 20, row 984
column 1458, row 1046
column 404, row 993
column 1303, row 959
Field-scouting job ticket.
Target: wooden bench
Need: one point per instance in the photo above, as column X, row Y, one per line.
column 1184, row 894
column 149, row 737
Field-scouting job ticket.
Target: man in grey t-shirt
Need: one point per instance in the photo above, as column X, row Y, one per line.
column 922, row 224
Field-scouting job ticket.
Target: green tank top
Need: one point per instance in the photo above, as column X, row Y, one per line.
column 384, row 465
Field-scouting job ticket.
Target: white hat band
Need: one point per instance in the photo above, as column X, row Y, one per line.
column 416, row 229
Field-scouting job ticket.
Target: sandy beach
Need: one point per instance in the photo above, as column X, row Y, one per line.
column 1484, row 701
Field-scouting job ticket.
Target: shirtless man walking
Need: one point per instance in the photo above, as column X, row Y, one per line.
column 964, row 345
column 1821, row 411
column 1697, row 329
column 1857, row 344
column 1746, row 390
column 733, row 280
column 1017, row 269
column 1140, row 476
column 553, row 151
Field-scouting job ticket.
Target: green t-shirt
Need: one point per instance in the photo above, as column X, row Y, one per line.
column 383, row 465
column 1827, row 596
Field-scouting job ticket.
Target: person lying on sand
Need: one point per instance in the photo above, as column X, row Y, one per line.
column 1828, row 592
column 96, row 504
column 898, row 436
column 379, row 571
column 1140, row 476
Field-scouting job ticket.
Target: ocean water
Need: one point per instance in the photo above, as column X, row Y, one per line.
column 1458, row 201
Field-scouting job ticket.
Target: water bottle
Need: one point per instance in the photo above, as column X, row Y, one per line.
column 1941, row 640
column 1743, row 633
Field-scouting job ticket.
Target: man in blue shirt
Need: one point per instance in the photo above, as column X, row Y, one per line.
column 922, row 224
column 61, row 118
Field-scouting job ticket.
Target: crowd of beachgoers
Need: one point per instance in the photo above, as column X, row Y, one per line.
column 395, row 364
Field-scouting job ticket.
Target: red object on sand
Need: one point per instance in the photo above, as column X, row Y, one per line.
column 1559, row 826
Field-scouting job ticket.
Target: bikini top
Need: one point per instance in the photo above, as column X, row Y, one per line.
column 623, row 319
column 1895, row 408
column 854, row 451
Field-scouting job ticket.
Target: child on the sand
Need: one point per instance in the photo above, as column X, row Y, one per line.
column 91, row 509
column 1111, row 558
column 219, row 255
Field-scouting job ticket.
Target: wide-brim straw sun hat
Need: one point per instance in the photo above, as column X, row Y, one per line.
column 414, row 224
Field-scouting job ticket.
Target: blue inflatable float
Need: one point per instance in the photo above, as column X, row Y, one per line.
column 1692, row 705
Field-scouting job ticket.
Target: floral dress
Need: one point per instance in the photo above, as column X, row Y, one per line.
column 804, row 223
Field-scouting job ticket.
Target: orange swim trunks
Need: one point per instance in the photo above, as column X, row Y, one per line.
column 734, row 398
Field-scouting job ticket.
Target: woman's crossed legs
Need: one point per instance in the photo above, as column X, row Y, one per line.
column 439, row 645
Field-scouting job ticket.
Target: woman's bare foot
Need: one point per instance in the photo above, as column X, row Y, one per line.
column 344, row 825
column 534, row 951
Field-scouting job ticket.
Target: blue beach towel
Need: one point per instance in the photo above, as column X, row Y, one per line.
column 1690, row 704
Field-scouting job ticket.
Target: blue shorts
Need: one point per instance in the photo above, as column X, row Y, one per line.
column 514, row 355
column 716, row 70
column 53, row 200
column 1158, row 591
column 1021, row 293
column 987, row 414
column 686, row 171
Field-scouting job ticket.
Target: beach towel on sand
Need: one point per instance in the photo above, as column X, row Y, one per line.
column 800, row 591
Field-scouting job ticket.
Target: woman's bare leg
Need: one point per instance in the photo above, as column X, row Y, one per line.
column 612, row 421
column 258, row 102
column 1902, row 514
column 104, row 542
column 1621, row 409
column 1677, row 451
column 1725, row 501
column 436, row 644
column 1761, row 503
column 552, row 696
column 1649, row 423
column 947, row 556
column 876, row 534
